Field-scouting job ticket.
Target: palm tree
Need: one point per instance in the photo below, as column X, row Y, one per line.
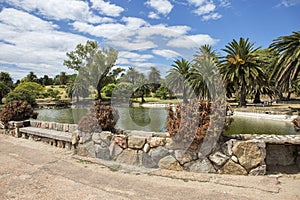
column 287, row 66
column 178, row 76
column 203, row 64
column 154, row 79
column 241, row 67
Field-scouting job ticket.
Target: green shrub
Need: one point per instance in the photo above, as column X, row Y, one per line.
column 17, row 111
column 22, row 95
column 162, row 92
column 108, row 89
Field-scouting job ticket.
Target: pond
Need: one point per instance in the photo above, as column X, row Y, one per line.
column 154, row 119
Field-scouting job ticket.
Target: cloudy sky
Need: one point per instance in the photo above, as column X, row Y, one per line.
column 36, row 34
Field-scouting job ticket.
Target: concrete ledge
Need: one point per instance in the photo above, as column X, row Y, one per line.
column 48, row 133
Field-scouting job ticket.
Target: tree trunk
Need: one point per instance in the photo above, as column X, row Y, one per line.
column 243, row 94
column 289, row 96
column 143, row 100
column 184, row 95
column 257, row 97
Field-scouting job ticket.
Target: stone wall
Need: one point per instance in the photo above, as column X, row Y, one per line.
column 158, row 150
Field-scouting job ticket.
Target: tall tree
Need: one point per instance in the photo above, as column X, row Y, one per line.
column 31, row 77
column 178, row 76
column 240, row 66
column 92, row 63
column 6, row 79
column 154, row 79
column 287, row 66
column 4, row 90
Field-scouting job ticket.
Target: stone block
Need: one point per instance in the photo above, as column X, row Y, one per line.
column 201, row 166
column 250, row 153
column 170, row 163
column 258, row 171
column 131, row 157
column 136, row 142
column 233, row 168
column 147, row 161
column 158, row 153
column 120, row 140
column 218, row 158
column 227, row 147
column 156, row 141
column 184, row 156
column 87, row 149
column 115, row 150
column 102, row 152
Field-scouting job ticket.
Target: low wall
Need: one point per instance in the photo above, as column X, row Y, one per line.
column 234, row 154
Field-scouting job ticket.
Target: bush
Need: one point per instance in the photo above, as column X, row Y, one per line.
column 108, row 89
column 162, row 92
column 35, row 88
column 17, row 111
column 22, row 95
column 107, row 116
column 189, row 123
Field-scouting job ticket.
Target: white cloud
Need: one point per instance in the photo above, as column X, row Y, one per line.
column 134, row 57
column 213, row 16
column 60, row 10
column 288, row 3
column 23, row 21
column 192, row 41
column 163, row 7
column 153, row 15
column 162, row 30
column 106, row 8
column 34, row 44
column 133, row 46
column 207, row 8
column 166, row 53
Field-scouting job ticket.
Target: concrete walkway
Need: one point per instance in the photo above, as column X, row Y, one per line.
column 33, row 170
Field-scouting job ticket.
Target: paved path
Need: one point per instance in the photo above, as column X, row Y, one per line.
column 33, row 170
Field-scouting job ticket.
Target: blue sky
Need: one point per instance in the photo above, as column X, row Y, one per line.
column 36, row 34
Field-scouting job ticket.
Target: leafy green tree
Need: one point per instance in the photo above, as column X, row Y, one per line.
column 6, row 79
column 123, row 91
column 93, row 64
column 34, row 88
column 4, row 90
column 21, row 94
column 63, row 78
column 143, row 88
column 287, row 67
column 178, row 76
column 162, row 92
column 240, row 67
column 77, row 89
column 108, row 89
column 31, row 77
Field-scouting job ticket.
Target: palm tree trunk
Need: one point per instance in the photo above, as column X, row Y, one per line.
column 257, row 97
column 243, row 94
column 184, row 95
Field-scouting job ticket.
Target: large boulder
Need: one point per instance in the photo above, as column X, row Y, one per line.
column 250, row 153
column 104, row 136
column 114, row 150
column 170, row 163
column 233, row 168
column 102, row 152
column 158, row 153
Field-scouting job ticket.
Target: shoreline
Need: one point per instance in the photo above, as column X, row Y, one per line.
column 270, row 116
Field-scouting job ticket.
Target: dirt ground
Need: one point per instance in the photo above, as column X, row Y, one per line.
column 34, row 170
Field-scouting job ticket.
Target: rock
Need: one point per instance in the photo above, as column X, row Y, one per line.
column 85, row 137
column 280, row 155
column 147, row 161
column 120, row 140
column 146, row 148
column 75, row 138
column 250, row 153
column 87, row 149
column 170, row 163
column 102, row 152
column 156, row 141
column 131, row 157
column 184, row 156
column 136, row 142
column 234, row 159
column 114, row 150
column 202, row 166
column 145, row 134
column 171, row 144
column 218, row 158
column 298, row 162
column 258, row 171
column 104, row 136
column 157, row 153
column 161, row 134
column 227, row 147
column 233, row 168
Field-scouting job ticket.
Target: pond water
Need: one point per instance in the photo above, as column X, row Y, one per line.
column 154, row 119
